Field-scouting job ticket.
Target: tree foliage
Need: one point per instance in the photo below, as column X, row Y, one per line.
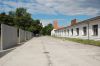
column 47, row 29
column 21, row 19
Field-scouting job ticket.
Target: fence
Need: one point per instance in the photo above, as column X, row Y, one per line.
column 21, row 35
column 28, row 35
column 10, row 38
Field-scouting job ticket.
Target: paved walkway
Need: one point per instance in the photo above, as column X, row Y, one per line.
column 48, row 51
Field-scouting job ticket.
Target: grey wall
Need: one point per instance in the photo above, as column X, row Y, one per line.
column 8, row 36
column 0, row 44
column 21, row 35
column 28, row 35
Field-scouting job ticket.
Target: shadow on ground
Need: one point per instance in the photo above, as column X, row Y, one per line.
column 4, row 52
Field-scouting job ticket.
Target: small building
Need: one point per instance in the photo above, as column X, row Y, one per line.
column 87, row 29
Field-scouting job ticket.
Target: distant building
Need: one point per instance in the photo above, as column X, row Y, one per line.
column 87, row 29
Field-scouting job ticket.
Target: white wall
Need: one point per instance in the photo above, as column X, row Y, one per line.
column 80, row 26
column 91, row 32
column 53, row 32
column 8, row 36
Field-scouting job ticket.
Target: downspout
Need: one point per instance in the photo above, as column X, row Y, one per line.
column 88, row 33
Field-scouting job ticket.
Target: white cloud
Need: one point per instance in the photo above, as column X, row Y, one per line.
column 46, row 22
column 51, row 7
column 74, row 10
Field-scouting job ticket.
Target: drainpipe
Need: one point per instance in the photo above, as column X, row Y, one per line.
column 88, row 32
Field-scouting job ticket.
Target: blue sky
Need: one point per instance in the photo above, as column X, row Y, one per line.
column 49, row 10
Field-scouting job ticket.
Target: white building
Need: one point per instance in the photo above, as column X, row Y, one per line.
column 87, row 29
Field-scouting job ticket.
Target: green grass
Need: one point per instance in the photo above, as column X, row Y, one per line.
column 83, row 41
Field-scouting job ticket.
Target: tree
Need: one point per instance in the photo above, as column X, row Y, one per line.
column 12, row 13
column 47, row 29
column 6, row 19
column 20, row 12
column 25, row 21
column 3, row 13
column 21, row 19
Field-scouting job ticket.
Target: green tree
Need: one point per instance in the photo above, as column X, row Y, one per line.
column 6, row 19
column 21, row 19
column 12, row 13
column 20, row 12
column 47, row 29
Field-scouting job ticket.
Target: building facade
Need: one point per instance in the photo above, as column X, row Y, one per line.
column 87, row 29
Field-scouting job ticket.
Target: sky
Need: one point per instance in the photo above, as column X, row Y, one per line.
column 49, row 10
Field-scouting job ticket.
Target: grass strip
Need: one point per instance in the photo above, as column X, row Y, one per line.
column 82, row 41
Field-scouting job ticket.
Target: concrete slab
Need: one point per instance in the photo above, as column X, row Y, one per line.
column 48, row 51
column 29, row 54
column 21, row 35
column 8, row 36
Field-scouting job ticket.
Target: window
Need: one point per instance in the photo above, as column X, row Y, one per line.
column 68, row 31
column 72, row 31
column 64, row 31
column 85, row 31
column 77, row 31
column 95, row 30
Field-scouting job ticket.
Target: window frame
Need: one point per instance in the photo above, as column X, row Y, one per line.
column 72, row 31
column 68, row 31
column 77, row 31
column 85, row 31
column 95, row 30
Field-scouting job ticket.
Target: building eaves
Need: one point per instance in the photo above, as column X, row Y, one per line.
column 85, row 21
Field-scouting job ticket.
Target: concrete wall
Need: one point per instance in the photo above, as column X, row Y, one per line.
column 0, row 44
column 28, row 35
column 21, row 35
column 8, row 36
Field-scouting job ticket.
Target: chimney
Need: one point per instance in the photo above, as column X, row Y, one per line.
column 55, row 24
column 73, row 22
